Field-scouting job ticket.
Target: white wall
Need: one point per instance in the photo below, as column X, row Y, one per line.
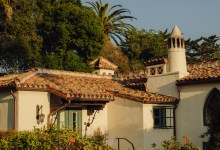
column 100, row 121
column 177, row 60
column 164, row 84
column 152, row 135
column 189, row 113
column 6, row 111
column 125, row 120
column 104, row 71
column 27, row 102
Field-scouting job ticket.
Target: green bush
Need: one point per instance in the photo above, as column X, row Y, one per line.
column 51, row 138
column 173, row 144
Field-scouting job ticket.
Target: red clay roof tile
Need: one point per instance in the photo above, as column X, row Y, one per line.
column 201, row 73
column 76, row 85
column 102, row 63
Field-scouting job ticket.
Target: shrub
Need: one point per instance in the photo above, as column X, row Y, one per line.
column 173, row 144
column 51, row 138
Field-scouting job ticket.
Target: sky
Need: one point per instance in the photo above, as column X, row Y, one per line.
column 195, row 18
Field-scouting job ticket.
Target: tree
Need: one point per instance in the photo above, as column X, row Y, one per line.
column 19, row 43
column 69, row 31
column 203, row 49
column 140, row 45
column 45, row 33
column 112, row 19
column 115, row 55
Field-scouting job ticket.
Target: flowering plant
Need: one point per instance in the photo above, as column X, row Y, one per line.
column 173, row 144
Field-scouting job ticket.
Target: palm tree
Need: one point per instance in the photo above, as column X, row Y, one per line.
column 112, row 19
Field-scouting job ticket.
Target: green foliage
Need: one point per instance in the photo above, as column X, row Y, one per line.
column 173, row 144
column 65, row 61
column 19, row 43
column 68, row 27
column 49, row 139
column 115, row 55
column 203, row 49
column 140, row 45
column 112, row 19
column 54, row 34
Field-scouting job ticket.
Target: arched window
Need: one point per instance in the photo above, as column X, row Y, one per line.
column 211, row 112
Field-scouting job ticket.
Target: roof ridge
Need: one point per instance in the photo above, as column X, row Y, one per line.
column 108, row 62
column 23, row 77
column 73, row 73
column 98, row 63
column 9, row 76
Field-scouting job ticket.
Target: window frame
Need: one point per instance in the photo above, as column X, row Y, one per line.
column 205, row 145
column 166, row 120
column 210, row 97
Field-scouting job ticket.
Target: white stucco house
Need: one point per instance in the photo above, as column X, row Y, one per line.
column 170, row 98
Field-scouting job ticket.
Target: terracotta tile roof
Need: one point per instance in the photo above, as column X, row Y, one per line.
column 138, row 83
column 102, row 63
column 156, row 61
column 76, row 85
column 203, row 72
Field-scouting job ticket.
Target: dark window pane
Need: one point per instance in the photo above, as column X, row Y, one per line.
column 74, row 121
column 163, row 117
column 156, row 112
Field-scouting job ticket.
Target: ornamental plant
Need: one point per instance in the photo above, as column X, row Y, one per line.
column 173, row 144
column 51, row 138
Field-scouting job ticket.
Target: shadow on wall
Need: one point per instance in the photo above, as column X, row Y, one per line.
column 189, row 113
column 156, row 136
column 126, row 103
column 128, row 131
column 6, row 113
column 125, row 120
column 169, row 89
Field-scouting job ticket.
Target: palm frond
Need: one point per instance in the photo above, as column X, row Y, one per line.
column 113, row 19
column 114, row 7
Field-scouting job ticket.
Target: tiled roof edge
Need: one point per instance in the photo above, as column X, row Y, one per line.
column 71, row 73
column 143, row 99
column 109, row 63
column 113, row 66
column 32, row 72
column 9, row 76
column 197, row 81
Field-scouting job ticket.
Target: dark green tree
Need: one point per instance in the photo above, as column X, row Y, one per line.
column 112, row 19
column 45, row 33
column 140, row 45
column 69, row 32
column 203, row 49
column 19, row 43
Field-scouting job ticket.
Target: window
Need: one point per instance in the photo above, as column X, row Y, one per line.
column 211, row 112
column 206, row 146
column 74, row 121
column 163, row 117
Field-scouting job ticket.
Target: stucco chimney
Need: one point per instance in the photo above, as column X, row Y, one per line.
column 176, row 53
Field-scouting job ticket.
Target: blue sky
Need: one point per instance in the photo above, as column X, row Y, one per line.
column 195, row 18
